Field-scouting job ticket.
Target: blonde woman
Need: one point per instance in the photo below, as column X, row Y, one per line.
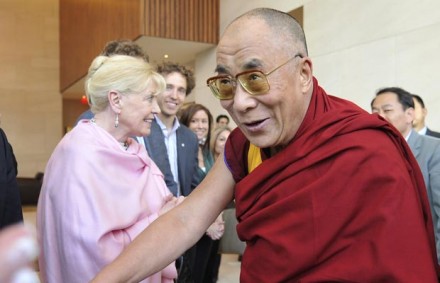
column 100, row 188
column 219, row 137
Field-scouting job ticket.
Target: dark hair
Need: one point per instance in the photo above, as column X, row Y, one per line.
column 124, row 47
column 405, row 98
column 221, row 116
column 419, row 100
column 187, row 113
column 167, row 68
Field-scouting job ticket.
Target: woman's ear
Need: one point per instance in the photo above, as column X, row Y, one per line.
column 115, row 101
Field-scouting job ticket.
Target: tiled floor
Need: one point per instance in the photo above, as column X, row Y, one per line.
column 229, row 269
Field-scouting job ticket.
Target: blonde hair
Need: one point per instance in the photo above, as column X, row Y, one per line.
column 125, row 74
column 215, row 135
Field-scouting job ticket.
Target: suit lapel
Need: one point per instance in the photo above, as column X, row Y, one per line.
column 181, row 157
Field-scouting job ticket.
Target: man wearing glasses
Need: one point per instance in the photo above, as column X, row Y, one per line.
column 324, row 191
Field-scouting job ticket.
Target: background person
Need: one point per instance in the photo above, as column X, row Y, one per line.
column 221, row 121
column 419, row 118
column 100, row 188
column 219, row 137
column 199, row 119
column 10, row 203
column 312, row 192
column 218, row 140
column 396, row 105
column 173, row 146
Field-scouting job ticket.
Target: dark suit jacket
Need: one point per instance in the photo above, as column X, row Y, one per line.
column 85, row 115
column 187, row 162
column 10, row 205
column 432, row 133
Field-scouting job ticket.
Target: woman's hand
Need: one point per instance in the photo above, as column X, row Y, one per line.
column 170, row 202
column 216, row 230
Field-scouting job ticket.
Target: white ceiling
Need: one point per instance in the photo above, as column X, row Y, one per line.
column 183, row 52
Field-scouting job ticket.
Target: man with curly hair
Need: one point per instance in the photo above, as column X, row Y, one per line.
column 173, row 146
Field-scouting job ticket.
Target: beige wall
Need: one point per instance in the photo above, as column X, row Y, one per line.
column 358, row 47
column 30, row 102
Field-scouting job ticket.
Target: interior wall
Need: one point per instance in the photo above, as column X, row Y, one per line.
column 361, row 48
column 30, row 102
column 358, row 47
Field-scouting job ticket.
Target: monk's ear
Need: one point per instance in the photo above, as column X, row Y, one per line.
column 306, row 74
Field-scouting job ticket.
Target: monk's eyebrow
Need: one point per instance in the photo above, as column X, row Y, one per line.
column 221, row 69
column 252, row 64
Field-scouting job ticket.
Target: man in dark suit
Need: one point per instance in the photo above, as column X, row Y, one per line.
column 174, row 147
column 419, row 119
column 10, row 204
column 397, row 107
column 157, row 149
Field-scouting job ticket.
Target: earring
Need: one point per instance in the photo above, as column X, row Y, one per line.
column 117, row 120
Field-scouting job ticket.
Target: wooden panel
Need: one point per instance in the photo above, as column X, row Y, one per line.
column 298, row 14
column 85, row 27
column 190, row 20
column 72, row 109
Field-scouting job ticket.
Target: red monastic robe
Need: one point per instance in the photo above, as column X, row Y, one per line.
column 345, row 201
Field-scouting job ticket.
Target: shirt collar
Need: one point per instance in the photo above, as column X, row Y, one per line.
column 176, row 124
column 409, row 134
column 423, row 131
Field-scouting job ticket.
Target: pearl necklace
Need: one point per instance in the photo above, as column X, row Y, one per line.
column 124, row 145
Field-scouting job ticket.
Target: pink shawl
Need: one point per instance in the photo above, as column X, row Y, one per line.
column 95, row 199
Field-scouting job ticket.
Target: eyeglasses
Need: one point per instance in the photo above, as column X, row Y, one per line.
column 253, row 82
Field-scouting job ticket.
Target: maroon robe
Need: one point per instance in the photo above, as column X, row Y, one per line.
column 345, row 201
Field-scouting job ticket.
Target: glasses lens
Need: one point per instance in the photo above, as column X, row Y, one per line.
column 254, row 82
column 222, row 87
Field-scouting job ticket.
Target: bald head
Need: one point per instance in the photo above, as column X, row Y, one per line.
column 281, row 24
column 271, row 45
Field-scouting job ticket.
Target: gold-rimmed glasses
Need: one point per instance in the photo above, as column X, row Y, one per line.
column 253, row 82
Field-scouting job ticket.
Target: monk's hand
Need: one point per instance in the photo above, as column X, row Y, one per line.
column 216, row 230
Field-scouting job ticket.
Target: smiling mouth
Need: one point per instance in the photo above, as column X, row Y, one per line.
column 173, row 104
column 256, row 125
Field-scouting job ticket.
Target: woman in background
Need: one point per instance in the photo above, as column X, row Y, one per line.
column 217, row 145
column 219, row 137
column 100, row 188
column 199, row 119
